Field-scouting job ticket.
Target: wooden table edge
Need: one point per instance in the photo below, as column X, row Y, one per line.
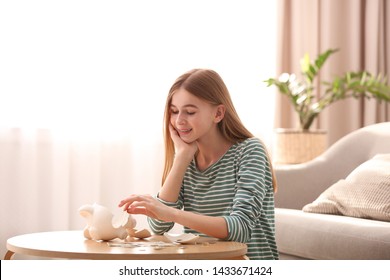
column 12, row 250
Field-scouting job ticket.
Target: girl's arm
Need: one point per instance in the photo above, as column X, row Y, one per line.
column 211, row 226
column 151, row 207
column 170, row 190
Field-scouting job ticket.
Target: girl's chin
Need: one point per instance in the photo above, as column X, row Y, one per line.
column 188, row 140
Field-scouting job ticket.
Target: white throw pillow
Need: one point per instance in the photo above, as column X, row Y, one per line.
column 365, row 193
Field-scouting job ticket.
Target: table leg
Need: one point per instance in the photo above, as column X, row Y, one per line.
column 8, row 255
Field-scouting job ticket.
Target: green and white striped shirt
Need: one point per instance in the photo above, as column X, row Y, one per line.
column 237, row 187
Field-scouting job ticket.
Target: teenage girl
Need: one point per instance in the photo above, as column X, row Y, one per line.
column 218, row 179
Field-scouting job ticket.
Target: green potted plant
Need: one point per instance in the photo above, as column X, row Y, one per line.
column 308, row 103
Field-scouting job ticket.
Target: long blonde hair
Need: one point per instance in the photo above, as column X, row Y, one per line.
column 207, row 85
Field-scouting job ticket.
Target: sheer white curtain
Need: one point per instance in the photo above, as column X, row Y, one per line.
column 82, row 93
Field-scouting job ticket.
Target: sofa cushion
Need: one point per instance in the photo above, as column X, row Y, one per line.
column 365, row 193
column 331, row 237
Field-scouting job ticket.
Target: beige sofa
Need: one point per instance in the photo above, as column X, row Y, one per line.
column 314, row 235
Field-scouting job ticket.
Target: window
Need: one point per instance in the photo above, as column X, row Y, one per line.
column 98, row 68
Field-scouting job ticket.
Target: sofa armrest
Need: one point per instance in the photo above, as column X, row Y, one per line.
column 301, row 184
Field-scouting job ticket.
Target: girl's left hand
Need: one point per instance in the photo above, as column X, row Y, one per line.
column 147, row 205
column 181, row 147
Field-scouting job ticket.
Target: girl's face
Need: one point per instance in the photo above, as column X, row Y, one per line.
column 192, row 117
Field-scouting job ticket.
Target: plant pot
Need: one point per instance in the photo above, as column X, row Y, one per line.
column 292, row 146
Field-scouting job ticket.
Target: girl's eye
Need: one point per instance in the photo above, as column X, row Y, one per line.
column 174, row 112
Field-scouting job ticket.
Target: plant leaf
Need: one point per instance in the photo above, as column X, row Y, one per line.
column 310, row 70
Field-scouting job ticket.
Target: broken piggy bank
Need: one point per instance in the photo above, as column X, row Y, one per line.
column 103, row 225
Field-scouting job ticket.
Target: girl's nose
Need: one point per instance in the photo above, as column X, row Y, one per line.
column 180, row 119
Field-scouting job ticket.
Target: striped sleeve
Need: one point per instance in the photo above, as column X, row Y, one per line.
column 254, row 182
column 160, row 227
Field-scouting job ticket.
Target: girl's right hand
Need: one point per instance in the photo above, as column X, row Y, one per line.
column 147, row 205
column 182, row 148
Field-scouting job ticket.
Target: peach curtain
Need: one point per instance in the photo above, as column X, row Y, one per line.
column 360, row 29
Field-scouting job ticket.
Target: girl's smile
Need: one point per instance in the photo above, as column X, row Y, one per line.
column 184, row 132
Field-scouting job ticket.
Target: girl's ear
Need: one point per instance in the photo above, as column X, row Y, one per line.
column 220, row 113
